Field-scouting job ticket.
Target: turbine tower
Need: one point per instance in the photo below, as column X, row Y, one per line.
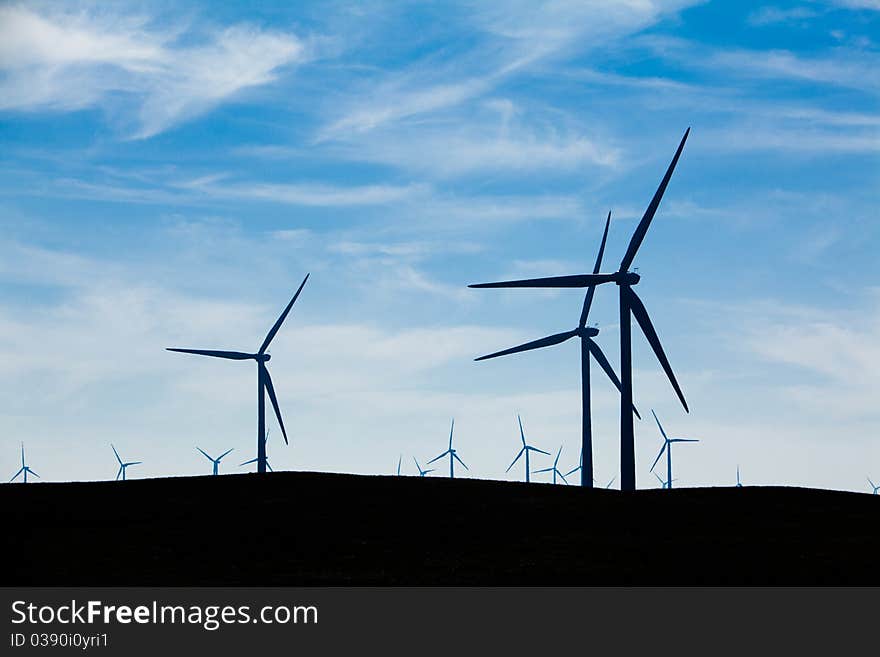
column 122, row 466
column 667, row 447
column 215, row 461
column 525, row 450
column 588, row 348
column 739, row 483
column 873, row 487
column 422, row 473
column 25, row 470
column 264, row 381
column 555, row 468
column 451, row 453
column 630, row 306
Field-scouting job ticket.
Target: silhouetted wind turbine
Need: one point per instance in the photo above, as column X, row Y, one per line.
column 588, row 348
column 554, row 469
column 739, row 482
column 25, row 470
column 122, row 466
column 453, row 455
column 875, row 488
column 422, row 473
column 525, row 450
column 215, row 461
column 257, row 459
column 264, row 381
column 399, row 460
column 630, row 306
column 667, row 447
column 579, row 466
column 663, row 482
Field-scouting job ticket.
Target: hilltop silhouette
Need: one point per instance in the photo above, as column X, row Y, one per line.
column 311, row 528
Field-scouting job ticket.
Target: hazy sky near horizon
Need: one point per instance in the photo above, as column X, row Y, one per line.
column 170, row 172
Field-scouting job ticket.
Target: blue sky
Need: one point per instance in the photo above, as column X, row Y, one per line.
column 171, row 171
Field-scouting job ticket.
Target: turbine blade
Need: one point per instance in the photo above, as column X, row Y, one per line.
column 269, row 466
column 271, row 390
column 542, row 470
column 450, row 432
column 133, row 463
column 578, row 280
column 418, row 467
column 15, row 476
column 662, row 449
column 659, row 478
column 119, row 473
column 562, row 476
column 869, row 481
column 460, row 461
column 248, row 462
column 606, row 366
column 535, row 344
column 608, row 485
column 572, row 471
column 684, row 440
column 34, row 473
column 205, row 453
column 437, row 458
column 224, row 453
column 641, row 315
column 229, row 355
column 588, row 300
column 540, row 451
column 660, row 426
column 22, row 455
column 642, row 228
column 280, row 320
column 522, row 434
column 114, row 451
column 509, row 466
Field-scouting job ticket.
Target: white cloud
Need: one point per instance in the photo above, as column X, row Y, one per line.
column 66, row 60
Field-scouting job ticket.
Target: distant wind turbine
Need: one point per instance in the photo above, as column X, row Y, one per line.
column 608, row 485
column 399, row 460
column 451, row 453
column 257, row 459
column 422, row 473
column 875, row 488
column 588, row 348
column 667, row 447
column 264, row 381
column 122, row 466
column 554, row 469
column 525, row 450
column 630, row 306
column 215, row 461
column 25, row 470
column 663, row 482
column 739, row 483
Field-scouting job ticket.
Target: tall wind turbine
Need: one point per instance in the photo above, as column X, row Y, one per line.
column 451, row 453
column 525, row 450
column 555, row 468
column 739, row 483
column 215, row 461
column 630, row 306
column 875, row 488
column 422, row 473
column 588, row 348
column 667, row 447
column 25, row 470
column 122, row 466
column 264, row 381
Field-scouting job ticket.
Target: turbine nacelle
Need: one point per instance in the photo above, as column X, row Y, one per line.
column 587, row 332
column 626, row 278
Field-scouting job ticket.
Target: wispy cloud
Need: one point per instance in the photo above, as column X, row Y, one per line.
column 63, row 60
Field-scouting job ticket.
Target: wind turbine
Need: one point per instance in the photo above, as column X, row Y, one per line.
column 24, row 469
column 257, row 459
column 663, row 482
column 876, row 488
column 588, row 348
column 630, row 306
column 554, row 469
column 422, row 473
column 579, row 466
column 740, row 485
column 215, row 461
column 264, row 381
column 525, row 450
column 122, row 466
column 453, row 455
column 399, row 460
column 667, row 447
